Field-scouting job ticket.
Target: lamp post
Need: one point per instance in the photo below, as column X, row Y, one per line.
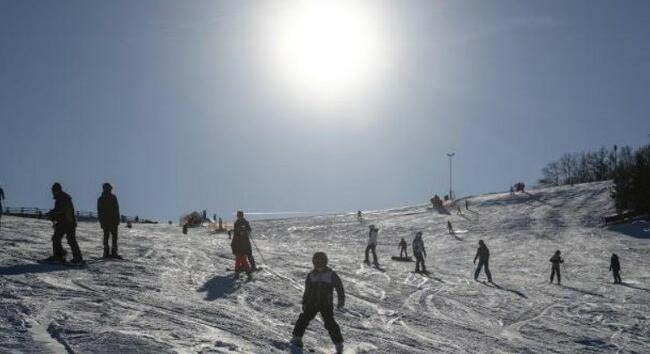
column 450, row 155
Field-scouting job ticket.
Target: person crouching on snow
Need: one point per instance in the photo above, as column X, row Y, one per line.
column 318, row 297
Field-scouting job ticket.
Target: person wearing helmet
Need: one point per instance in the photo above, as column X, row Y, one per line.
column 242, row 226
column 483, row 256
column 372, row 245
column 64, row 224
column 108, row 213
column 318, row 297
column 556, row 260
column 420, row 252
column 241, row 245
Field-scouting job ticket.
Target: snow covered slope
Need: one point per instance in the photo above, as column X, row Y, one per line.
column 173, row 294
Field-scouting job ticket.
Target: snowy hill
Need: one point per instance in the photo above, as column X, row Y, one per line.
column 173, row 294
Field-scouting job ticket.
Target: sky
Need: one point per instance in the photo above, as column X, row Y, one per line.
column 192, row 105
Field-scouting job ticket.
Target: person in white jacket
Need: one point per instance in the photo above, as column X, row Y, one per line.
column 372, row 244
column 419, row 252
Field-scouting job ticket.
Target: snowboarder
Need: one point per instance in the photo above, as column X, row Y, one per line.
column 359, row 216
column 64, row 224
column 450, row 228
column 318, row 297
column 241, row 245
column 242, row 226
column 555, row 268
column 615, row 268
column 2, row 197
column 483, row 256
column 372, row 245
column 420, row 252
column 402, row 248
column 108, row 213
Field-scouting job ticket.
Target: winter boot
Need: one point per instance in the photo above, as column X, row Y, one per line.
column 106, row 254
column 339, row 348
column 297, row 341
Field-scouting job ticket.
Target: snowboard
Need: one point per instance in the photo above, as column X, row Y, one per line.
column 64, row 263
column 402, row 259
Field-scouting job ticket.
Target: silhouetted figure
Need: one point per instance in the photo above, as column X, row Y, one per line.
column 129, row 224
column 318, row 297
column 450, row 228
column 359, row 216
column 372, row 245
column 184, row 229
column 2, row 197
column 483, row 256
column 214, row 217
column 137, row 219
column 402, row 248
column 63, row 216
column 205, row 215
column 169, row 222
column 241, row 244
column 229, row 234
column 420, row 252
column 466, row 204
column 556, row 260
column 108, row 213
column 242, row 226
column 615, row 268
column 220, row 224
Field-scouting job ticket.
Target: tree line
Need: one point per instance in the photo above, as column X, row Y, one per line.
column 628, row 168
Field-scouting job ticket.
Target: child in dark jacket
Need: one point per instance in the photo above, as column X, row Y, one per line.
column 318, row 297
column 615, row 268
column 555, row 268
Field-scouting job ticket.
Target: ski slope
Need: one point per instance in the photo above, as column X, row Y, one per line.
column 173, row 294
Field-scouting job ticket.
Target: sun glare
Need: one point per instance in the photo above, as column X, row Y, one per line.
column 326, row 46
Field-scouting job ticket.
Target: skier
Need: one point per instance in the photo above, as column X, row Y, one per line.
column 615, row 267
column 242, row 226
column 420, row 252
column 483, row 255
column 450, row 228
column 402, row 248
column 241, row 246
column 318, row 297
column 2, row 197
column 64, row 224
column 372, row 245
column 555, row 268
column 108, row 213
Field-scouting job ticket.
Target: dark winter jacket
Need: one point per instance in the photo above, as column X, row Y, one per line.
column 241, row 243
column 614, row 264
column 319, row 289
column 108, row 210
column 556, row 260
column 63, row 212
column 402, row 244
column 482, row 253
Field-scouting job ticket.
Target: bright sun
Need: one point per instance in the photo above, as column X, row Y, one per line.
column 326, row 46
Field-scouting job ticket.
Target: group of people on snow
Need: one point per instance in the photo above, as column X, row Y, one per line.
column 65, row 223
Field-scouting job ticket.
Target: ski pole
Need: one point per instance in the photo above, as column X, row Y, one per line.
column 258, row 250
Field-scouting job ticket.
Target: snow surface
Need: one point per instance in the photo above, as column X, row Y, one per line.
column 173, row 294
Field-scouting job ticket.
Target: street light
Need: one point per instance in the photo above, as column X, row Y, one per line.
column 450, row 155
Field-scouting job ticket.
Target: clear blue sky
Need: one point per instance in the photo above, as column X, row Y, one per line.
column 178, row 105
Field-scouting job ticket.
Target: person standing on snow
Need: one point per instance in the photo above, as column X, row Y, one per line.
column 483, row 256
column 108, row 213
column 372, row 245
column 242, row 226
column 402, row 248
column 450, row 228
column 420, row 252
column 555, row 268
column 64, row 224
column 241, row 246
column 2, row 197
column 615, row 267
column 318, row 297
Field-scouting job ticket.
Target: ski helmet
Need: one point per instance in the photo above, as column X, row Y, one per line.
column 319, row 259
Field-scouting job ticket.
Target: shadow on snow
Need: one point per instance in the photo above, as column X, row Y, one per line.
column 219, row 287
column 18, row 269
